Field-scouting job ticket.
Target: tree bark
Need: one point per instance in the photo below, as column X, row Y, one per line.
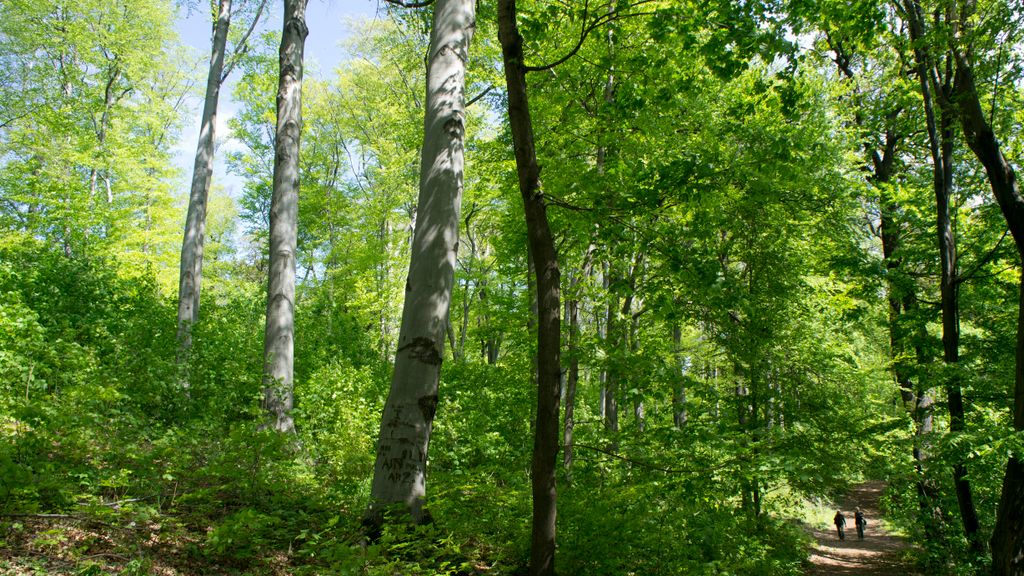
column 612, row 344
column 679, row 414
column 279, row 339
column 399, row 475
column 191, row 272
column 542, row 247
column 630, row 344
column 572, row 312
column 490, row 342
column 1008, row 536
column 950, row 304
column 571, row 381
column 940, row 139
column 639, row 413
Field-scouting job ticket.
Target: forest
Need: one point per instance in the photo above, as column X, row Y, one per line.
column 588, row 287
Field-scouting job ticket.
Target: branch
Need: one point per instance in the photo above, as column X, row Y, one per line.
column 410, row 4
column 842, row 59
column 995, row 86
column 116, row 504
column 38, row 516
column 107, row 555
column 648, row 465
column 556, row 201
column 984, row 260
column 12, row 120
column 242, row 47
column 631, row 461
column 479, row 96
column 586, row 30
column 583, row 36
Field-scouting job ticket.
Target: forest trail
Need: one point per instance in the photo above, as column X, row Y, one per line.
column 879, row 554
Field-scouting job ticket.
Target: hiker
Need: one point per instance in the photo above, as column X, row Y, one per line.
column 840, row 521
column 858, row 519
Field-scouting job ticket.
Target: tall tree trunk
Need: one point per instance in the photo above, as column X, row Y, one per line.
column 531, row 319
column 890, row 233
column 572, row 377
column 612, row 341
column 922, row 412
column 950, row 306
column 468, row 287
column 630, row 336
column 639, row 414
column 612, row 346
column 279, row 339
column 542, row 247
column 572, row 313
column 399, row 475
column 919, row 402
column 460, row 347
column 889, row 230
column 601, row 322
column 490, row 344
column 940, row 138
column 679, row 416
column 191, row 273
column 1008, row 536
column 745, row 409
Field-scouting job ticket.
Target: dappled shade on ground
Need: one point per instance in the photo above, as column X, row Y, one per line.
column 879, row 554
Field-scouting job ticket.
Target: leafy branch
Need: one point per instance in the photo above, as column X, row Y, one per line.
column 243, row 44
column 988, row 257
column 610, row 16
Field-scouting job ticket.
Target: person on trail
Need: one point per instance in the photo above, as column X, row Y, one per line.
column 858, row 519
column 840, row 521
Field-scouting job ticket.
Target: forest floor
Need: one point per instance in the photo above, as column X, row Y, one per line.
column 878, row 554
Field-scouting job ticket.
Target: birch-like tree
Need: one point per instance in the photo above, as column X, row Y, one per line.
column 399, row 476
column 279, row 339
column 191, row 274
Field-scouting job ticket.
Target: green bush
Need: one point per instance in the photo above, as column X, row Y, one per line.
column 242, row 535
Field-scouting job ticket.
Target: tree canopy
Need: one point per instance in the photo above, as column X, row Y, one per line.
column 706, row 266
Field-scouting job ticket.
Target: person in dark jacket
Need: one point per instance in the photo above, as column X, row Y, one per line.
column 860, row 522
column 840, row 521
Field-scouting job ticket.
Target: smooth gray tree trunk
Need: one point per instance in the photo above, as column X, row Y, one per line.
column 191, row 272
column 682, row 365
column 279, row 340
column 190, row 276
column 399, row 475
column 572, row 374
column 613, row 346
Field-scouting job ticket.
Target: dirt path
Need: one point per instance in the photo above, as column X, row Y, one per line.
column 879, row 554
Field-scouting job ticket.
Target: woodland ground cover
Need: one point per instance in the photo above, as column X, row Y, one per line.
column 144, row 480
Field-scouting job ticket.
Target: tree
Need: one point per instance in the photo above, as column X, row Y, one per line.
column 400, row 470
column 89, row 106
column 936, row 89
column 955, row 33
column 880, row 115
column 546, row 275
column 191, row 273
column 1008, row 535
column 279, row 338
